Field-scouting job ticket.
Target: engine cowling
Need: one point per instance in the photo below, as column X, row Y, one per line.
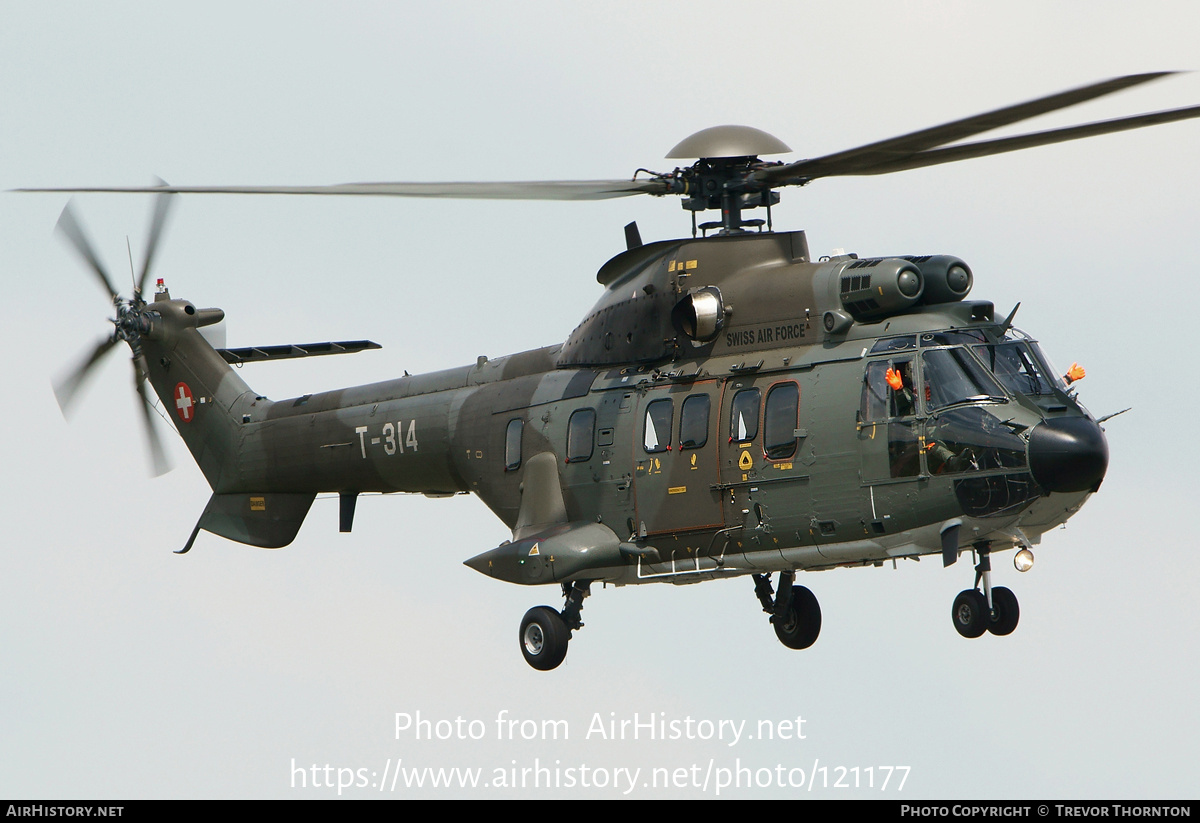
column 947, row 278
column 879, row 287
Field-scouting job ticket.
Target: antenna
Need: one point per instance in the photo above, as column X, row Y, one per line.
column 132, row 273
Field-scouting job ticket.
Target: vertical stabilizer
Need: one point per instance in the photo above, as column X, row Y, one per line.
column 205, row 397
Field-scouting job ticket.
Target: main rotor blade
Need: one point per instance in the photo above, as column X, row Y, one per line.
column 73, row 231
column 531, row 190
column 158, row 457
column 899, row 149
column 986, row 148
column 162, row 207
column 65, row 389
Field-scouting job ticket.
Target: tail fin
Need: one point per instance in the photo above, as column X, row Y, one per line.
column 208, row 400
column 211, row 405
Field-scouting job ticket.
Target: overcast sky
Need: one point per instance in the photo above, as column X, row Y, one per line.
column 128, row 671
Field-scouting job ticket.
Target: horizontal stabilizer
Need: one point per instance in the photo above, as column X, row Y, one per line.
column 269, row 521
column 255, row 354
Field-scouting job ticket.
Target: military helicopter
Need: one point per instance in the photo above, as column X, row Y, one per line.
column 729, row 407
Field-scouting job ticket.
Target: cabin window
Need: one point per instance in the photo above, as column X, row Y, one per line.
column 512, row 444
column 779, row 421
column 743, row 416
column 581, row 435
column 693, row 422
column 657, row 436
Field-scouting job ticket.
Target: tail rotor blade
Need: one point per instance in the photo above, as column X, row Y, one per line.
column 158, row 457
column 65, row 389
column 73, row 231
column 162, row 208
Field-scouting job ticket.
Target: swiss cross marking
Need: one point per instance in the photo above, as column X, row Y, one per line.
column 185, row 406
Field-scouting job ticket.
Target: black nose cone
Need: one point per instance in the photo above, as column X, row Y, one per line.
column 1068, row 454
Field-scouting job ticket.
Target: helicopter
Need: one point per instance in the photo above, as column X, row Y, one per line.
column 730, row 407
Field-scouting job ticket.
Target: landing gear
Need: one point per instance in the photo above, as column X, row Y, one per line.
column 795, row 613
column 800, row 625
column 1005, row 612
column 992, row 610
column 970, row 613
column 545, row 632
column 544, row 638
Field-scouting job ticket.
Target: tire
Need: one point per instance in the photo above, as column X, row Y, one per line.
column 1005, row 612
column 798, row 629
column 543, row 638
column 970, row 613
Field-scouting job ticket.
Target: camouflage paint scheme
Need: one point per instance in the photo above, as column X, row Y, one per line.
column 728, row 407
column 626, row 514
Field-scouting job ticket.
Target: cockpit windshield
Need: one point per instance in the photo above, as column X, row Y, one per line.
column 952, row 376
column 1018, row 363
column 1015, row 367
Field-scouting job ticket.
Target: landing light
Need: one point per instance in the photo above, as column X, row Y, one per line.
column 1023, row 561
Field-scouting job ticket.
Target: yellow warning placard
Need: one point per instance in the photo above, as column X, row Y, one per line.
column 745, row 461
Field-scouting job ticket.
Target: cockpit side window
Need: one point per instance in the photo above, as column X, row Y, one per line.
column 880, row 400
column 889, row 394
column 874, row 407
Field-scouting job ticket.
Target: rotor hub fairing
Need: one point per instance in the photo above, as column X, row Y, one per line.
column 727, row 141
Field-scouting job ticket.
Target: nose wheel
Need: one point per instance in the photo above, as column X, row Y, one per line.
column 992, row 610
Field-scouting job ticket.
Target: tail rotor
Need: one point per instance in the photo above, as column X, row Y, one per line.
column 133, row 320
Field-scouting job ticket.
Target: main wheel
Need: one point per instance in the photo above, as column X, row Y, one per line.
column 970, row 613
column 544, row 638
column 1005, row 611
column 798, row 629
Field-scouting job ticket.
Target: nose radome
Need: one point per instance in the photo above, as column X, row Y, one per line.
column 1068, row 454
